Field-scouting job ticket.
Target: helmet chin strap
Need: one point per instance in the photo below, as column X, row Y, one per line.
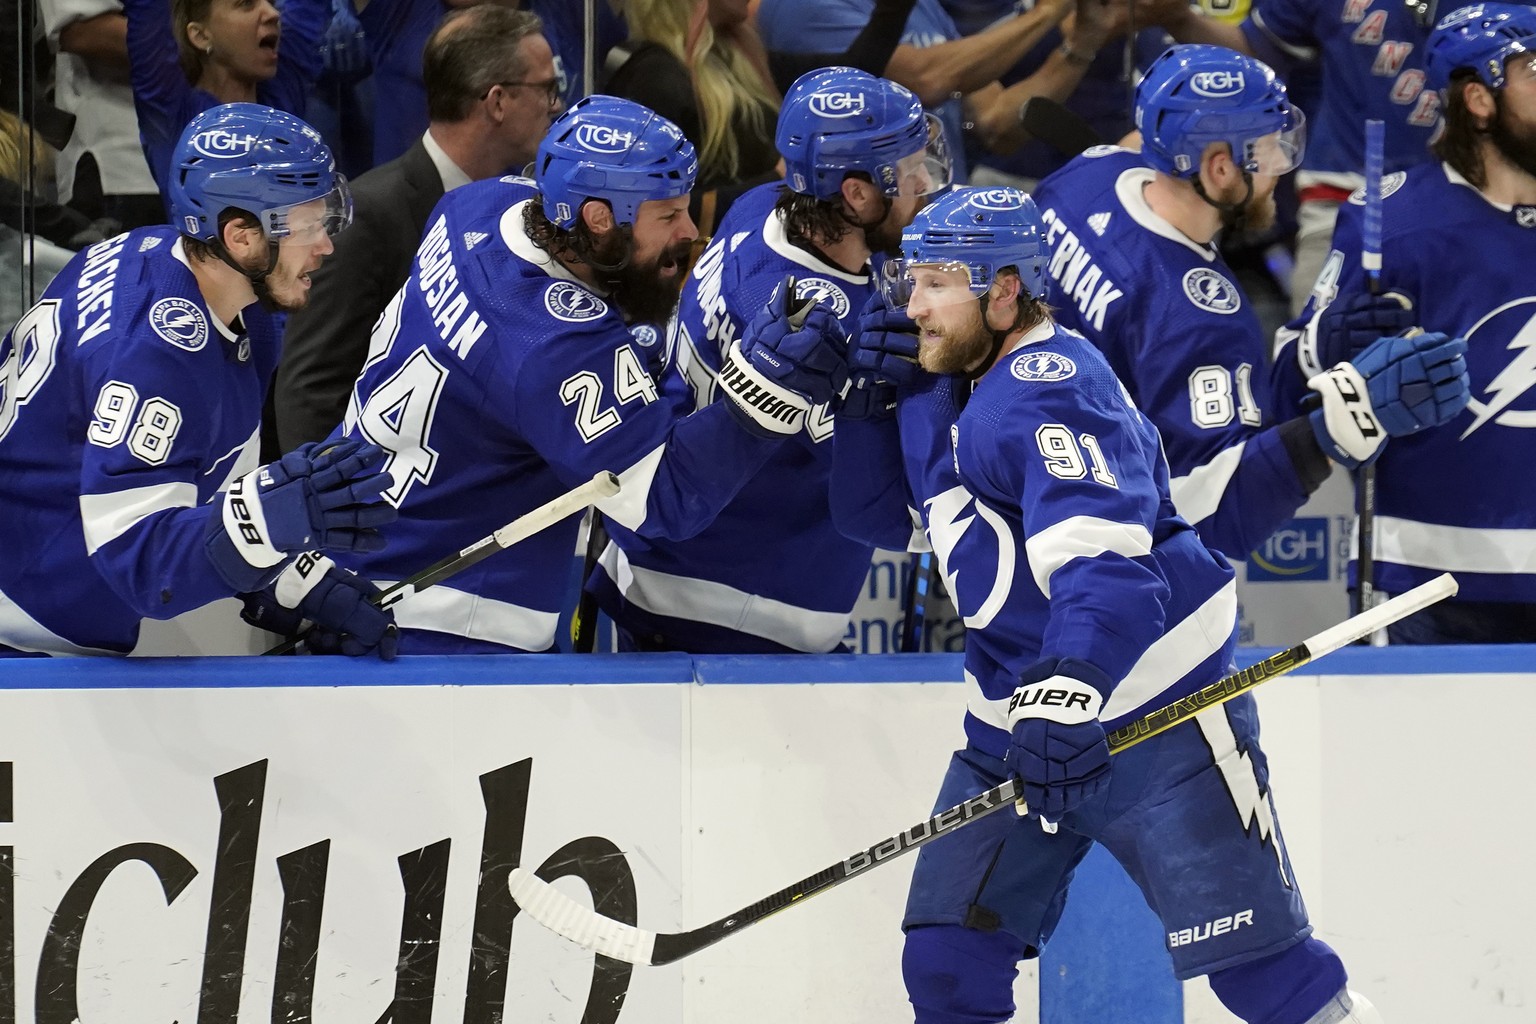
column 258, row 278
column 1234, row 216
column 999, row 338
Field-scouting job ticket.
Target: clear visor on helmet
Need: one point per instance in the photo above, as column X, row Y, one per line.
column 307, row 222
column 1279, row 152
column 929, row 169
column 930, row 285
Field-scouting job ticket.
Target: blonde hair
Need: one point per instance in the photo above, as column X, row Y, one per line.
column 24, row 157
column 730, row 76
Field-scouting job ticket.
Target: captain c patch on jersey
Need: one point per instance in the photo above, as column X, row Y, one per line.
column 180, row 322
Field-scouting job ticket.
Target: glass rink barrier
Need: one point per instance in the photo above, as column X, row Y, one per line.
column 291, row 839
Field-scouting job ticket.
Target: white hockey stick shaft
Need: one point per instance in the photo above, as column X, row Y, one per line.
column 619, row 941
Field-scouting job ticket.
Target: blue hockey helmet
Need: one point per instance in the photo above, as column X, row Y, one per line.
column 1194, row 95
column 251, row 157
column 837, row 120
column 978, row 230
column 1480, row 37
column 615, row 150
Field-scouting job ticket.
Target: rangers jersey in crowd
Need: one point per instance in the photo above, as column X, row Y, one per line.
column 1459, row 497
column 496, row 381
column 771, row 573
column 1082, row 566
column 1188, row 347
column 1372, row 57
column 125, row 407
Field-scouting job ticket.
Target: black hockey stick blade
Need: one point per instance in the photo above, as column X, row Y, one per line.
column 569, row 919
column 1056, row 126
column 602, row 485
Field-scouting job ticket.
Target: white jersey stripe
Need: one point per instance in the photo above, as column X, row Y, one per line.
column 446, row 610
column 1176, row 653
column 627, row 508
column 1197, row 494
column 1082, row 537
column 105, row 517
column 1454, row 548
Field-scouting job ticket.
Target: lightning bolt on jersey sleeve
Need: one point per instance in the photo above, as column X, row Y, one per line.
column 127, row 407
column 496, row 381
column 1453, row 497
column 771, row 572
column 1185, row 342
column 1052, row 522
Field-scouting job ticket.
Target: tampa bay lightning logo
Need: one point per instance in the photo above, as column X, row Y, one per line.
column 969, row 551
column 645, row 335
column 179, row 322
column 1504, row 342
column 573, row 303
column 1211, row 291
column 1097, row 151
column 1042, row 366
column 825, row 293
column 1389, row 183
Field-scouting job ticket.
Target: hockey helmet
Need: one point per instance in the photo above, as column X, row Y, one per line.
column 1481, row 37
column 251, row 157
column 977, row 230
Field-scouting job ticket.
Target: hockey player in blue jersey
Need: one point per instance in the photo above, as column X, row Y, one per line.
column 1087, row 602
column 1458, row 239
column 1369, row 55
column 772, row 573
column 504, row 373
column 130, row 398
column 1134, row 268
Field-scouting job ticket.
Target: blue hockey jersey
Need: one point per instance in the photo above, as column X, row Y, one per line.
column 771, row 573
column 1458, row 497
column 1183, row 339
column 1371, row 54
column 125, row 407
column 1045, row 496
column 496, row 380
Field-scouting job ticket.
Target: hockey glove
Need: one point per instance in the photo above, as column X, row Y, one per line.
column 314, row 588
column 1396, row 387
column 319, row 496
column 794, row 355
column 1342, row 330
column 1058, row 749
column 882, row 355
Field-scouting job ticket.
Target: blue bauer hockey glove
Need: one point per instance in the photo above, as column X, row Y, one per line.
column 315, row 589
column 882, row 356
column 1057, row 748
column 1346, row 327
column 792, row 356
column 326, row 495
column 1396, row 387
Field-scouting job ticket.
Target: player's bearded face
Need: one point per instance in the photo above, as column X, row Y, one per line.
column 954, row 340
column 646, row 288
column 1513, row 135
column 286, row 288
column 1258, row 213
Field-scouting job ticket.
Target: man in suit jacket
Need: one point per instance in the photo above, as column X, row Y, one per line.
column 492, row 91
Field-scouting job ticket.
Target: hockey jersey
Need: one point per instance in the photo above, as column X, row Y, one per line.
column 771, row 573
column 125, row 407
column 1457, row 497
column 1372, row 57
column 1183, row 339
column 496, row 381
column 1045, row 496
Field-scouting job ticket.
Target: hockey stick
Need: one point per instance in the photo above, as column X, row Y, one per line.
column 1370, row 262
column 569, row 919
column 584, row 620
column 602, row 485
column 914, row 621
column 1050, row 122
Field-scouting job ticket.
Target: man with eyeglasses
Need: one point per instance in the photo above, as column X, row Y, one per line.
column 772, row 573
column 130, row 397
column 492, row 91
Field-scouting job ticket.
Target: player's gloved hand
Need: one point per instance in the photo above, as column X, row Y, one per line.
column 322, row 495
column 882, row 355
column 1058, row 747
column 793, row 355
column 313, row 588
column 1396, row 387
column 1346, row 327
column 344, row 47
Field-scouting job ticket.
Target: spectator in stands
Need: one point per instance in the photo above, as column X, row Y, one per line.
column 190, row 55
column 869, row 51
column 955, row 75
column 101, row 170
column 490, row 81
column 396, row 31
column 1371, row 54
column 29, row 258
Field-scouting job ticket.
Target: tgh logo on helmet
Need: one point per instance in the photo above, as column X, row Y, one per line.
column 837, row 104
column 223, row 142
column 997, row 199
column 1217, row 84
column 601, row 138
